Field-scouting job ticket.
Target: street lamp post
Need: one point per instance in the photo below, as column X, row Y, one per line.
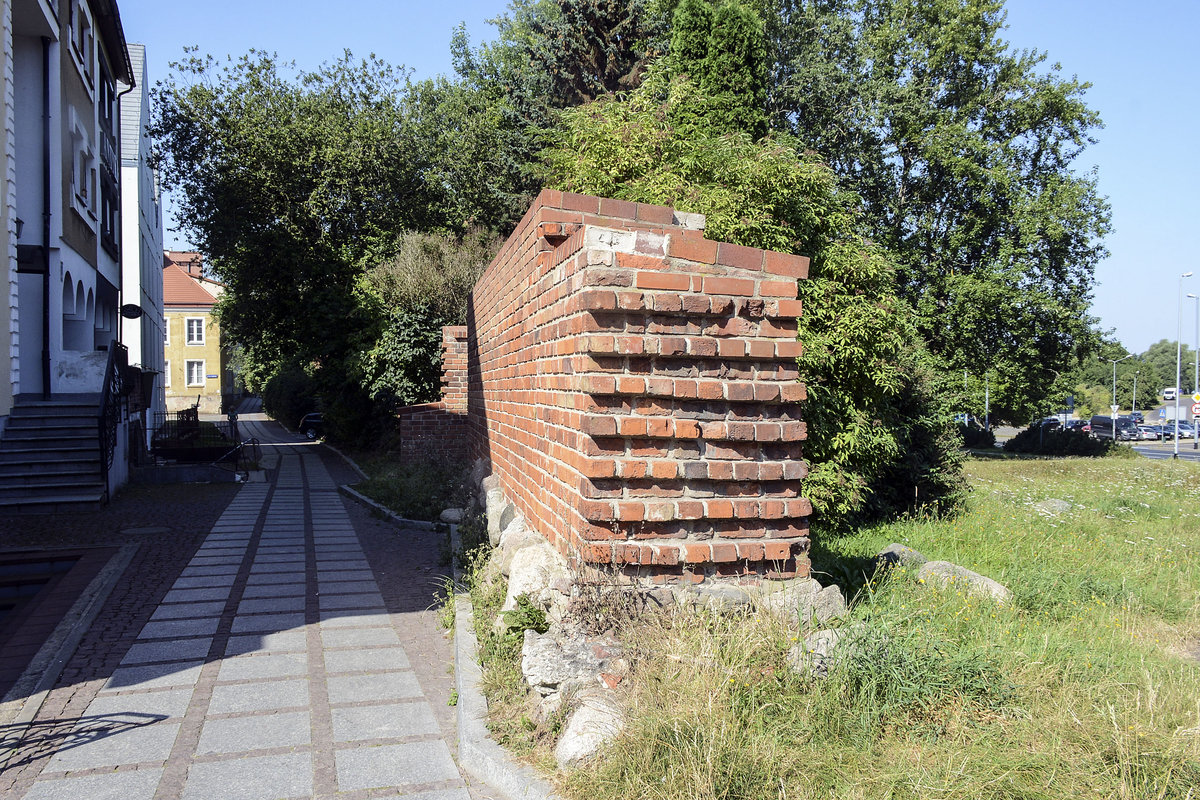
column 1115, row 361
column 1196, row 373
column 1178, row 360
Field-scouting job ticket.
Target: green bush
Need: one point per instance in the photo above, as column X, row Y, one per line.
column 1060, row 442
column 289, row 394
column 975, row 437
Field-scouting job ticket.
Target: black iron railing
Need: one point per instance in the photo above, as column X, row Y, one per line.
column 109, row 417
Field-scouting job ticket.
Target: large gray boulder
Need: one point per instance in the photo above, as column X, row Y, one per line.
column 597, row 721
column 553, row 662
column 541, row 573
column 713, row 595
column 1053, row 507
column 819, row 651
column 453, row 516
column 494, row 503
column 896, row 554
column 804, row 600
column 946, row 575
column 513, row 539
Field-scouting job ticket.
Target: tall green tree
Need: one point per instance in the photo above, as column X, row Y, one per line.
column 290, row 183
column 966, row 154
column 879, row 439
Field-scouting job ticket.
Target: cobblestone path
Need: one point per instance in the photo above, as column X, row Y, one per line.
column 275, row 666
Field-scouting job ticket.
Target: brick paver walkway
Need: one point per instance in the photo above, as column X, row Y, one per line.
column 292, row 657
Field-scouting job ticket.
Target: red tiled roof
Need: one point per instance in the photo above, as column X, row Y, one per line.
column 180, row 289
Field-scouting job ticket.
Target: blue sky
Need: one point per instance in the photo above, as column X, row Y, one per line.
column 1141, row 60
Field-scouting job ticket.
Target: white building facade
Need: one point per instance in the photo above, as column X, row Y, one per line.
column 141, row 243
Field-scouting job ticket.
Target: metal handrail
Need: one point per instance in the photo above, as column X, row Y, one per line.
column 109, row 416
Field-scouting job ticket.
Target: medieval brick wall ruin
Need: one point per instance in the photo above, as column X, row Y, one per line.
column 633, row 385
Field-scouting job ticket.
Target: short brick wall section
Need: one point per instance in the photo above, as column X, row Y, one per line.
column 634, row 387
column 439, row 430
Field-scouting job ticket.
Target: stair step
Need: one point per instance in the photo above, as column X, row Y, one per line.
column 64, row 504
column 38, row 423
column 51, row 442
column 57, row 478
column 29, row 455
column 69, row 466
column 51, row 490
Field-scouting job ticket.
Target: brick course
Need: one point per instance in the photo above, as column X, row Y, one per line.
column 634, row 387
column 440, row 428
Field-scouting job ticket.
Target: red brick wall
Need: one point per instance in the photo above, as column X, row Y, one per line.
column 634, row 387
column 440, row 429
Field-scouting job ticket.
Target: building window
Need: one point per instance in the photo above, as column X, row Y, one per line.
column 83, row 41
column 195, row 330
column 167, row 374
column 84, row 172
column 195, row 373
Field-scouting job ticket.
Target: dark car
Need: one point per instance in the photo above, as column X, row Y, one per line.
column 1080, row 425
column 1103, row 428
column 312, row 425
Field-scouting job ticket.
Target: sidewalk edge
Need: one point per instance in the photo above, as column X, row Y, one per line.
column 477, row 753
column 387, row 512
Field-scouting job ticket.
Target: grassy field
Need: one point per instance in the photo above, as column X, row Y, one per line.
column 1086, row 685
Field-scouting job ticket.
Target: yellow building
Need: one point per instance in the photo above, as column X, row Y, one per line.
column 196, row 366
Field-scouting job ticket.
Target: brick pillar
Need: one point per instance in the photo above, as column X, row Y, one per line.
column 454, row 368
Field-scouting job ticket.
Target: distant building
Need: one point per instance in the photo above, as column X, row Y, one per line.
column 196, row 365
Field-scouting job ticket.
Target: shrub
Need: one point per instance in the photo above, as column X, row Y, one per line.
column 975, row 437
column 1059, row 442
column 289, row 394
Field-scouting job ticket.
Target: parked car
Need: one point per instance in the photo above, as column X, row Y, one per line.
column 1138, row 417
column 1165, row 431
column 1186, row 431
column 1149, row 432
column 312, row 425
column 1103, row 428
column 1080, row 425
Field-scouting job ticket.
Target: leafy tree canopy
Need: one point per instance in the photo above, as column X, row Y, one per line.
column 966, row 156
column 878, row 434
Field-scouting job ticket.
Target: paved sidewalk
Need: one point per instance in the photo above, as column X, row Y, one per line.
column 293, row 657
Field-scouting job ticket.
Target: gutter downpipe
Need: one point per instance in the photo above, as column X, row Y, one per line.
column 46, row 218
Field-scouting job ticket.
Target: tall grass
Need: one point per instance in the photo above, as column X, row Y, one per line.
column 1085, row 685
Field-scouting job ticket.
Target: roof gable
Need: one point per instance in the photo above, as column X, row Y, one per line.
column 180, row 289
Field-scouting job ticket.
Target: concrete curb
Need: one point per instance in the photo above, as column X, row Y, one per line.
column 347, row 459
column 387, row 512
column 477, row 753
column 47, row 664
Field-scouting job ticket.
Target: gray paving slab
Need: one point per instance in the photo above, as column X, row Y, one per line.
column 362, row 660
column 126, row 785
column 205, row 582
column 166, row 704
column 372, row 601
column 252, row 778
column 271, row 604
column 261, row 696
column 281, row 642
column 258, row 590
column 247, row 623
column 381, row 686
column 196, row 572
column 270, row 578
column 116, row 746
column 196, row 595
column 171, row 628
column 327, row 586
column 383, row 721
column 282, row 665
column 342, row 564
column 359, row 637
column 438, row 794
column 344, row 574
column 343, row 618
column 260, row 568
column 175, row 650
column 187, row 610
column 394, row 765
column 245, row 734
column 154, row 676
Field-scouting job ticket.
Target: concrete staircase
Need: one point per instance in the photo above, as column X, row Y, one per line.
column 50, row 457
